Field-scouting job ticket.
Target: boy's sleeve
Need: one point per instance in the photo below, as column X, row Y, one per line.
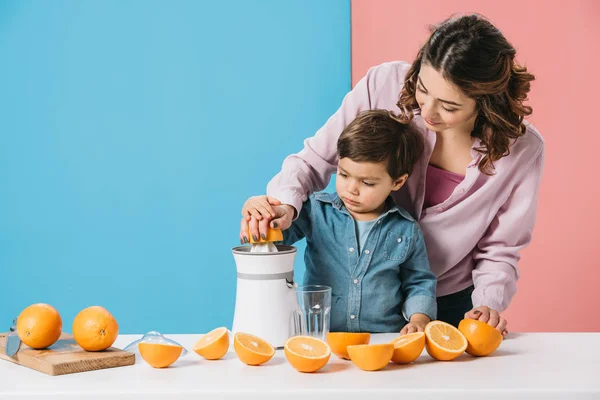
column 418, row 282
column 301, row 227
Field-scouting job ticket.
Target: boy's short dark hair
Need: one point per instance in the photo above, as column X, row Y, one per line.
column 379, row 136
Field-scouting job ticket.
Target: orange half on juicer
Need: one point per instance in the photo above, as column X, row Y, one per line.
column 273, row 235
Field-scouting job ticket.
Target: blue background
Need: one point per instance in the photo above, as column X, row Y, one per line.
column 131, row 134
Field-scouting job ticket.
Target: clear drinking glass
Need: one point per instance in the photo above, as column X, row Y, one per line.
column 313, row 312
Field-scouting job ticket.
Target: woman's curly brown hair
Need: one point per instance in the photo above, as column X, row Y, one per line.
column 473, row 54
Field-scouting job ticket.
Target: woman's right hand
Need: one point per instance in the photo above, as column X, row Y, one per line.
column 259, row 212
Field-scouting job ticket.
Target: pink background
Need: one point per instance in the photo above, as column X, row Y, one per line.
column 560, row 43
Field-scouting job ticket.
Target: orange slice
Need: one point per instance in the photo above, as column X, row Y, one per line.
column 339, row 341
column 306, row 354
column 482, row 339
column 408, row 348
column 273, row 235
column 214, row 344
column 444, row 342
column 159, row 355
column 251, row 349
column 371, row 357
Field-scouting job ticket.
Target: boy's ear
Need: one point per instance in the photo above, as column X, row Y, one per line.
column 398, row 183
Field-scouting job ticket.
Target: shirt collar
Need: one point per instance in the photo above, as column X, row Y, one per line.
column 338, row 204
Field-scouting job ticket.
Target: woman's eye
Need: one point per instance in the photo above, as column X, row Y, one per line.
column 342, row 174
column 450, row 110
column 420, row 89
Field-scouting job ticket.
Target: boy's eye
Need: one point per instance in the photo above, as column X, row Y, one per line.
column 369, row 184
column 342, row 174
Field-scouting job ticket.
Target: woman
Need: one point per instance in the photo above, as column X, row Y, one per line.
column 475, row 189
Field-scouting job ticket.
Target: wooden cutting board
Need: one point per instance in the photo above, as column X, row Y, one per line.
column 66, row 357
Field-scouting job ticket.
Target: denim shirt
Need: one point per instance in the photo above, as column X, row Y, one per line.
column 380, row 288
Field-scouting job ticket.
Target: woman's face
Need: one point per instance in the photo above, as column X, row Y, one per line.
column 444, row 107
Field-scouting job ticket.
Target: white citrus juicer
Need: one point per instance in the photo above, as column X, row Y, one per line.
column 265, row 297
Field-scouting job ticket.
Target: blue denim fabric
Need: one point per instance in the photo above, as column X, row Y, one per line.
column 380, row 288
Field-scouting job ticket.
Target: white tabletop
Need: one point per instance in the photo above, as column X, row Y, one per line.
column 526, row 366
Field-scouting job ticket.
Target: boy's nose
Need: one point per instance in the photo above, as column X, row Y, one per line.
column 353, row 188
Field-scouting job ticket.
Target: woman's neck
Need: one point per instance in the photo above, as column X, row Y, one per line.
column 454, row 139
column 452, row 151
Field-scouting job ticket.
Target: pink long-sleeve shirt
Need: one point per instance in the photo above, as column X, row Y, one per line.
column 476, row 234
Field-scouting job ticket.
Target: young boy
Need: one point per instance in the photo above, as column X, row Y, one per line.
column 358, row 242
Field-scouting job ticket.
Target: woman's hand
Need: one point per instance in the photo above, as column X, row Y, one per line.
column 260, row 212
column 490, row 316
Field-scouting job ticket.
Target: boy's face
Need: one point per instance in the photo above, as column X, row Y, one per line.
column 364, row 186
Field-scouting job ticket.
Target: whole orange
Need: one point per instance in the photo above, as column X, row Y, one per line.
column 39, row 326
column 95, row 329
column 483, row 339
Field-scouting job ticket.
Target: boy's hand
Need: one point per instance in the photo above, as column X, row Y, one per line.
column 277, row 216
column 259, row 207
column 417, row 323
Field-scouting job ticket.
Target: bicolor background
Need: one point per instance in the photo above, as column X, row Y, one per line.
column 133, row 131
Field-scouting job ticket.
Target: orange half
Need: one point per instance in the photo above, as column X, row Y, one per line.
column 371, row 357
column 252, row 350
column 408, row 348
column 214, row 345
column 339, row 342
column 444, row 342
column 159, row 355
column 273, row 235
column 307, row 354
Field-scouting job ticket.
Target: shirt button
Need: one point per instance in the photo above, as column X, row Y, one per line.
column 399, row 240
column 461, row 191
column 367, row 251
column 379, row 221
column 439, row 209
column 356, row 281
column 352, row 316
column 351, row 249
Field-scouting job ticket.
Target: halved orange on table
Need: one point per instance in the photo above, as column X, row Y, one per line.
column 213, row 345
column 339, row 342
column 444, row 342
column 482, row 338
column 252, row 350
column 306, row 353
column 159, row 355
column 371, row 357
column 408, row 348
